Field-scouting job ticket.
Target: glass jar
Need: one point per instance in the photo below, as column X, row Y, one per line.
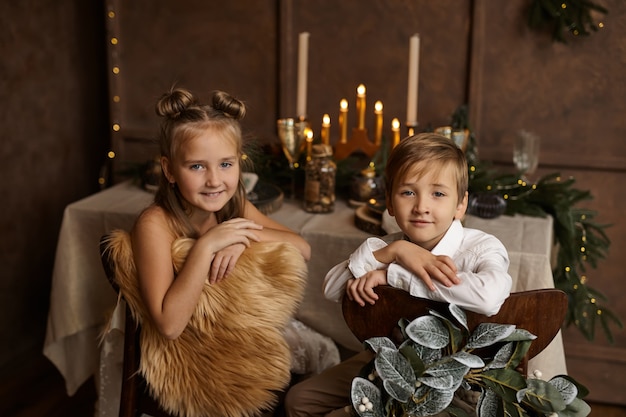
column 319, row 183
column 367, row 186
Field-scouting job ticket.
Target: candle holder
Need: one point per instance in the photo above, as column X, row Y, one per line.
column 358, row 141
column 411, row 129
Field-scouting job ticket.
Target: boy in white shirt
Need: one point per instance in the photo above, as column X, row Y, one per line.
column 433, row 257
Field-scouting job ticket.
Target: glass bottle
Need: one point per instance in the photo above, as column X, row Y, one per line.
column 319, row 183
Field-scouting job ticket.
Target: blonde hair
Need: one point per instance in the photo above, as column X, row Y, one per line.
column 430, row 148
column 183, row 118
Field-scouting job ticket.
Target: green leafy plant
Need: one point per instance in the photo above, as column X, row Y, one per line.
column 562, row 16
column 439, row 357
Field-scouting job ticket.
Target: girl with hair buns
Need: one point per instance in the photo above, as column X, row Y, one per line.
column 201, row 196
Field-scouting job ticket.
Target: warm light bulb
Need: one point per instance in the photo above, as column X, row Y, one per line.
column 343, row 104
column 378, row 106
column 326, row 120
column 360, row 90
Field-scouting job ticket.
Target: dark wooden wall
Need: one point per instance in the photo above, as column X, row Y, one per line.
column 59, row 117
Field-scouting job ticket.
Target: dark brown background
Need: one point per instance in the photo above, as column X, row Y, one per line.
column 57, row 87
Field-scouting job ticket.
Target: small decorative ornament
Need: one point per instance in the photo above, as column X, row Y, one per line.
column 487, row 206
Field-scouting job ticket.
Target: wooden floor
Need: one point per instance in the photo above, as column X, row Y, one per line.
column 38, row 390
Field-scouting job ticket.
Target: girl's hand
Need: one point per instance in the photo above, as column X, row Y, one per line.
column 224, row 262
column 361, row 290
column 229, row 233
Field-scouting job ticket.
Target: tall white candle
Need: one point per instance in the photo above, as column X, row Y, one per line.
column 303, row 64
column 414, row 61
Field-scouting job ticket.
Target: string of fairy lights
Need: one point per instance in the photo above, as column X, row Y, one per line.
column 581, row 242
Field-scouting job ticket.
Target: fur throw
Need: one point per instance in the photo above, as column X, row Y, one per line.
column 232, row 358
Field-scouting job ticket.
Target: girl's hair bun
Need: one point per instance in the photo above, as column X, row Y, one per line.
column 229, row 105
column 174, row 102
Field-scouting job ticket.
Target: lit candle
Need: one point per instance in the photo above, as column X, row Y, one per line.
column 309, row 142
column 378, row 110
column 325, row 129
column 360, row 106
column 303, row 63
column 343, row 120
column 411, row 105
column 395, row 129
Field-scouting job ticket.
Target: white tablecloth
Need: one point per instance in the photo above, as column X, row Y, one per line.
column 81, row 298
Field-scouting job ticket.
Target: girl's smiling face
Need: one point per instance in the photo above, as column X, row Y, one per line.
column 206, row 170
column 426, row 202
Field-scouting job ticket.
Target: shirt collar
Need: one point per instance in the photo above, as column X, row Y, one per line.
column 451, row 241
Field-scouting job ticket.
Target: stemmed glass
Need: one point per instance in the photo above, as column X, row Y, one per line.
column 292, row 135
column 526, row 153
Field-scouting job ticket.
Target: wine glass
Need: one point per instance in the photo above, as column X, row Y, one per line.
column 292, row 135
column 526, row 153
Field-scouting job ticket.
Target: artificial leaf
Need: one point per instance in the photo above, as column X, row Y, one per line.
column 428, row 331
column 396, row 372
column 445, row 382
column 504, row 382
column 486, row 334
column 398, row 389
column 375, row 343
column 427, row 354
column 519, row 352
column 567, row 389
column 362, row 388
column 487, row 405
column 459, row 314
column 519, row 335
column 577, row 408
column 416, row 362
column 502, row 357
column 467, row 359
column 543, row 396
column 444, row 369
column 427, row 401
column 513, row 410
column 583, row 391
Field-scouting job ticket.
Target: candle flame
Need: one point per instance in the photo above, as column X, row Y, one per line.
column 309, row 134
column 343, row 104
column 326, row 120
column 360, row 90
column 378, row 106
column 395, row 124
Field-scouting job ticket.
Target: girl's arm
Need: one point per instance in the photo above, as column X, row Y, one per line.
column 171, row 302
column 276, row 232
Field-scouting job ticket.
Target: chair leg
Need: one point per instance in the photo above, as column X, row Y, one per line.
column 128, row 397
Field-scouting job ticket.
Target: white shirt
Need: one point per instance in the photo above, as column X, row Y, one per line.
column 482, row 266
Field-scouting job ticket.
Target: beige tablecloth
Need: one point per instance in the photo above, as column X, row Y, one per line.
column 81, row 297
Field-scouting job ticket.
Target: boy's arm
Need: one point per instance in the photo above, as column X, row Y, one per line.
column 360, row 262
column 484, row 281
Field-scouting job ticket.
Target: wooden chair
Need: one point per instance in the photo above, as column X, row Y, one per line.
column 135, row 399
column 541, row 312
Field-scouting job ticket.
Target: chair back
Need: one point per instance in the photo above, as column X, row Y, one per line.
column 540, row 312
column 134, row 398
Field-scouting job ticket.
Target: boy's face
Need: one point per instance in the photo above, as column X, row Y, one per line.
column 426, row 206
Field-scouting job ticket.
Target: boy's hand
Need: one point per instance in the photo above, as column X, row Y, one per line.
column 362, row 290
column 421, row 262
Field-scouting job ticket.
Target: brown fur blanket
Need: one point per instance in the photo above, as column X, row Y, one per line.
column 232, row 356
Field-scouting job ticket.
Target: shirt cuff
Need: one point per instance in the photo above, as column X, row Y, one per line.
column 363, row 260
column 395, row 275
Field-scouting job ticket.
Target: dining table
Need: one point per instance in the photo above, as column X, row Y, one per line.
column 84, row 335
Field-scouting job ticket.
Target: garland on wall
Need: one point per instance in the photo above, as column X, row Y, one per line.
column 581, row 241
column 563, row 16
